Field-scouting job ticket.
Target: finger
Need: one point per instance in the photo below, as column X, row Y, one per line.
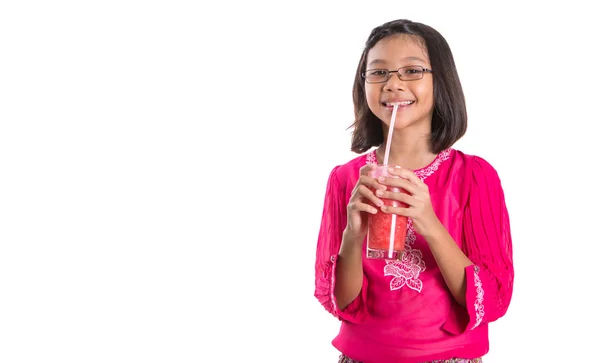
column 363, row 192
column 370, row 182
column 399, row 182
column 400, row 196
column 401, row 211
column 365, row 169
column 362, row 207
column 407, row 174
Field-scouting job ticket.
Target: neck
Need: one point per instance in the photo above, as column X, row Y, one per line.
column 409, row 151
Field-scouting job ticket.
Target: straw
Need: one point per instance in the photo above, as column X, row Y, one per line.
column 386, row 157
column 392, row 237
column 388, row 145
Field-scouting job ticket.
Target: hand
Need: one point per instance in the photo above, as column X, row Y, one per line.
column 362, row 201
column 416, row 199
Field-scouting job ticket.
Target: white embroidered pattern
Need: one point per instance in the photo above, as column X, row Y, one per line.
column 406, row 270
column 332, row 286
column 424, row 173
column 371, row 158
column 479, row 312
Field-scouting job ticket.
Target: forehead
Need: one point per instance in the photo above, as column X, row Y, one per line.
column 398, row 48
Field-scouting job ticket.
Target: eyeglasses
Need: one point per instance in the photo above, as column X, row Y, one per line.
column 409, row 73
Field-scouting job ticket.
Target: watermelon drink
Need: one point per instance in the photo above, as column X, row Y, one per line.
column 386, row 232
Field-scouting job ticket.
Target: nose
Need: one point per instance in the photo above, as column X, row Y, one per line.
column 394, row 83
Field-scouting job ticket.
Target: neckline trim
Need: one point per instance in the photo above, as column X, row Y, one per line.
column 424, row 172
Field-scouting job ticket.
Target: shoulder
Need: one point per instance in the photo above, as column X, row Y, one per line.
column 349, row 170
column 342, row 178
column 475, row 164
column 481, row 179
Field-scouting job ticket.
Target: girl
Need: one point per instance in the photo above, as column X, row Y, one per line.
column 434, row 303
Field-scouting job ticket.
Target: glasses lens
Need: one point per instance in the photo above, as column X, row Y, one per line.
column 411, row 73
column 376, row 75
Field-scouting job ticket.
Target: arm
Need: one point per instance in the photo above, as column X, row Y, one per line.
column 480, row 276
column 340, row 285
column 349, row 272
column 487, row 242
column 451, row 261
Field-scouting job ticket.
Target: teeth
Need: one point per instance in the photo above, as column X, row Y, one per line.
column 403, row 103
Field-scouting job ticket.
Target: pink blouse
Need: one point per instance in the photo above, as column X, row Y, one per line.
column 405, row 312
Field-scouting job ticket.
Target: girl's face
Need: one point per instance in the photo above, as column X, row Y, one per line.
column 416, row 110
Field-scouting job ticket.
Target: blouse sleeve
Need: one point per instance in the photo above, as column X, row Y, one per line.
column 333, row 223
column 487, row 242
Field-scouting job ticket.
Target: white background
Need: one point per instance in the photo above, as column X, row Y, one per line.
column 163, row 167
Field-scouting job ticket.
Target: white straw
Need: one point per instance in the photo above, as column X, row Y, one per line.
column 392, row 237
column 386, row 157
column 388, row 145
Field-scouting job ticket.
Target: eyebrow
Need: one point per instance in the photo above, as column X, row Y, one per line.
column 412, row 58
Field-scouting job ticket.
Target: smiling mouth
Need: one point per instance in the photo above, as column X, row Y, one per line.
column 400, row 104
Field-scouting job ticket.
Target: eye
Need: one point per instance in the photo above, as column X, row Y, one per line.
column 377, row 72
column 413, row 70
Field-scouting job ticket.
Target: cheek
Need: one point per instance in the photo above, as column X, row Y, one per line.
column 372, row 97
column 425, row 93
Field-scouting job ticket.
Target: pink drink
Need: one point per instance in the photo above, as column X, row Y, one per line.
column 380, row 226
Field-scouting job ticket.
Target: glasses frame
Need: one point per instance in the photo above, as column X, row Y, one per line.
column 389, row 73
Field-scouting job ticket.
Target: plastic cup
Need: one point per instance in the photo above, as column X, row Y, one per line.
column 385, row 227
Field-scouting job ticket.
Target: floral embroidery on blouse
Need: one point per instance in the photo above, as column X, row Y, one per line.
column 407, row 268
column 479, row 312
